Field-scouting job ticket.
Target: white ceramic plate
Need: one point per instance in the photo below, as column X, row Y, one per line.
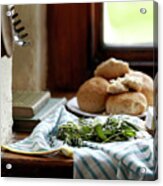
column 73, row 106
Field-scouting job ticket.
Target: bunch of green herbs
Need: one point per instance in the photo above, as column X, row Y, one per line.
column 112, row 130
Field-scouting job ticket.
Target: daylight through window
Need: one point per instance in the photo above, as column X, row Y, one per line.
column 128, row 23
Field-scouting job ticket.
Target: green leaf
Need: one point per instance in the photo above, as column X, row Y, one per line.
column 86, row 129
column 129, row 133
column 108, row 132
column 100, row 132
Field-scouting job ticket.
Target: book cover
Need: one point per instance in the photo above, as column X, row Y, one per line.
column 22, row 124
column 28, row 103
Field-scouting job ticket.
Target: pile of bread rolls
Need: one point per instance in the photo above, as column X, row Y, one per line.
column 116, row 89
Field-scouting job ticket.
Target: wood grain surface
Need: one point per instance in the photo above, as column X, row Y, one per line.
column 68, row 45
column 57, row 166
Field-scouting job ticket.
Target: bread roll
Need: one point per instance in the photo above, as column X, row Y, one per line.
column 92, row 95
column 132, row 103
column 132, row 82
column 112, row 68
column 147, row 85
column 116, row 87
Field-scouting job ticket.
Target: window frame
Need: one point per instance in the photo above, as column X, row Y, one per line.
column 141, row 58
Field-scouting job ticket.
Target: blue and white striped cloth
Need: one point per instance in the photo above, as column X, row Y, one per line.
column 130, row 160
column 119, row 160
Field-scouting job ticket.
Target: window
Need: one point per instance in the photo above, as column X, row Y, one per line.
column 128, row 23
column 118, row 33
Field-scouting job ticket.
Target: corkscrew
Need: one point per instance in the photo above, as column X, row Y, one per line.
column 19, row 33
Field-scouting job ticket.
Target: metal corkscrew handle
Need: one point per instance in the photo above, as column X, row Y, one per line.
column 19, row 33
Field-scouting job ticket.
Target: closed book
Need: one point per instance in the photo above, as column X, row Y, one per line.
column 28, row 103
column 22, row 124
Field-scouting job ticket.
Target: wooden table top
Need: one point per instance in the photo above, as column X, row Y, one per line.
column 57, row 166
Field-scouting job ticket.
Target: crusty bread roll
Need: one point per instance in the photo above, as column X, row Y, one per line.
column 132, row 82
column 132, row 103
column 147, row 85
column 92, row 95
column 112, row 68
column 116, row 87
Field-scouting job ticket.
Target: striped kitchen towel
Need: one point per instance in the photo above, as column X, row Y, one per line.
column 119, row 160
column 42, row 140
column 132, row 160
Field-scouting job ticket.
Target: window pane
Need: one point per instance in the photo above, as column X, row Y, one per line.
column 125, row 25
